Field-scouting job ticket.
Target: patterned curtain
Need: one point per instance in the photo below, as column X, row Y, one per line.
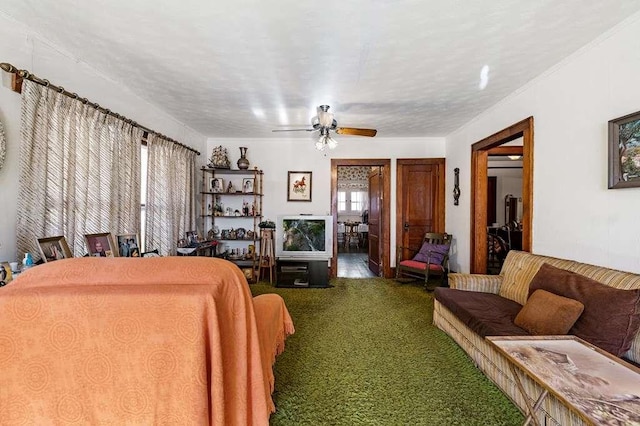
column 79, row 171
column 170, row 194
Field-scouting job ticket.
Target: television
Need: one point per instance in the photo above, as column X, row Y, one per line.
column 304, row 237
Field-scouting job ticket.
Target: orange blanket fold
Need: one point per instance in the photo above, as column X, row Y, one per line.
column 170, row 340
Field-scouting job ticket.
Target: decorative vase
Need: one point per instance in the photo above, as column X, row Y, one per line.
column 243, row 163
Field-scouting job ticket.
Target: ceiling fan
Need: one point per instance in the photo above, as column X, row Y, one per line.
column 325, row 123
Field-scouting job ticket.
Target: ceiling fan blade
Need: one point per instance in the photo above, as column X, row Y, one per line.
column 356, row 132
column 293, row 130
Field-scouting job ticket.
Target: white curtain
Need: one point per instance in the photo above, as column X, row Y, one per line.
column 170, row 194
column 79, row 171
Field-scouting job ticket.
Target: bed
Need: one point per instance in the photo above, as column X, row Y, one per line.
column 172, row 340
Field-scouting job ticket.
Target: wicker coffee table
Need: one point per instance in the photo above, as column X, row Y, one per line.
column 601, row 388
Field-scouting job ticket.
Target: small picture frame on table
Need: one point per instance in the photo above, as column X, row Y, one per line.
column 192, row 237
column 299, row 186
column 101, row 245
column 5, row 274
column 128, row 245
column 54, row 248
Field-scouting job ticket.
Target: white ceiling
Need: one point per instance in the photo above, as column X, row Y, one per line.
column 241, row 68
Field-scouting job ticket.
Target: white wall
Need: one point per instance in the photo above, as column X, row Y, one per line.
column 278, row 156
column 25, row 49
column 575, row 216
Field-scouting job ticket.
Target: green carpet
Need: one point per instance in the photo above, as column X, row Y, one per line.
column 365, row 352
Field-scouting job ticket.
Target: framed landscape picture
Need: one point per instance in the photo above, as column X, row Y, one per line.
column 299, row 186
column 624, row 151
column 54, row 248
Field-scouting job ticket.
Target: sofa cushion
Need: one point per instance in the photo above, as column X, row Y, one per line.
column 487, row 314
column 433, row 253
column 548, row 314
column 611, row 316
column 421, row 265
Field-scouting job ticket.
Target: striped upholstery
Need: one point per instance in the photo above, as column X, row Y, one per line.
column 513, row 283
column 476, row 282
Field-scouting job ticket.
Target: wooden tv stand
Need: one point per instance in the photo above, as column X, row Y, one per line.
column 302, row 273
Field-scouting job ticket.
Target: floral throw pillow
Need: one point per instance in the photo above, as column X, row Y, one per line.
column 432, row 253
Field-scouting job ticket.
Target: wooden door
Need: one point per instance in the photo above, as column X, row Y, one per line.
column 420, row 200
column 375, row 222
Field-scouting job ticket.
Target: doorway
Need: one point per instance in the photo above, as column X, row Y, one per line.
column 504, row 203
column 353, row 231
column 479, row 189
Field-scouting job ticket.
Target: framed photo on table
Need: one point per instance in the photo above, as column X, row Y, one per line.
column 101, row 245
column 54, row 248
column 299, row 186
column 128, row 245
column 192, row 237
column 624, row 151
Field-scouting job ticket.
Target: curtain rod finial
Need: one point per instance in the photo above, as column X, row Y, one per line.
column 7, row 67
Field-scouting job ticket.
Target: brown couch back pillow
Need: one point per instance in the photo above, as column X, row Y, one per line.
column 547, row 314
column 611, row 316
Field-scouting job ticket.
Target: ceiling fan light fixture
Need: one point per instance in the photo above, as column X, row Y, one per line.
column 331, row 143
column 325, row 118
column 320, row 145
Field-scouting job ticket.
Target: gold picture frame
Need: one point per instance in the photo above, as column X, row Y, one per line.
column 54, row 248
column 6, row 275
column 101, row 245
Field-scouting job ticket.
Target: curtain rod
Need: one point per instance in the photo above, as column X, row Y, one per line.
column 22, row 74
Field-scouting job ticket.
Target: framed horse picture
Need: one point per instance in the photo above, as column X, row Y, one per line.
column 299, row 186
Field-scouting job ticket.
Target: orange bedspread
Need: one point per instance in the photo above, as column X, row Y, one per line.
column 170, row 340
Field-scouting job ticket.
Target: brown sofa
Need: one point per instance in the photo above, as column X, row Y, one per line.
column 476, row 306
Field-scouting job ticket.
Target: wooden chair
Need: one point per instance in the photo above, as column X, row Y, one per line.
column 432, row 258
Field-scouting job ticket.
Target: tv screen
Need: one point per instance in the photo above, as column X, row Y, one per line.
column 304, row 236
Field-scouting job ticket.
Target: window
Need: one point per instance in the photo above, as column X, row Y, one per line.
column 352, row 201
column 144, row 156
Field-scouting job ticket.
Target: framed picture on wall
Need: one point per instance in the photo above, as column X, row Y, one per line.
column 101, row 245
column 54, row 248
column 299, row 186
column 624, row 151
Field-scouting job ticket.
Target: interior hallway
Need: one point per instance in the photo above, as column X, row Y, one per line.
column 353, row 263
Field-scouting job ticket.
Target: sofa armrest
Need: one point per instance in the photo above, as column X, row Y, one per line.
column 476, row 282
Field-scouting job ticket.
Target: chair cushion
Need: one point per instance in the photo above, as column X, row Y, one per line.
column 611, row 316
column 421, row 265
column 547, row 314
column 432, row 253
column 485, row 313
